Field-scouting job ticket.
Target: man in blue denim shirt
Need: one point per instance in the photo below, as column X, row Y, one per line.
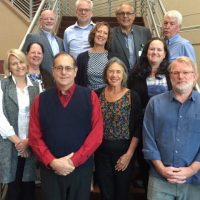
column 171, row 137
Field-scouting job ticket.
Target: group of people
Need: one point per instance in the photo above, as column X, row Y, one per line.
column 111, row 97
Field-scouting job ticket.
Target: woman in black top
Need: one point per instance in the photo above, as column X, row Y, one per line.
column 92, row 62
column 148, row 78
column 122, row 125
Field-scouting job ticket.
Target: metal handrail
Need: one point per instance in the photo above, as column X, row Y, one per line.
column 27, row 7
column 162, row 6
column 35, row 19
column 153, row 19
column 34, row 24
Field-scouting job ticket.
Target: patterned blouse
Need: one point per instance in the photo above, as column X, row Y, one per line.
column 116, row 117
column 156, row 85
column 96, row 65
column 37, row 78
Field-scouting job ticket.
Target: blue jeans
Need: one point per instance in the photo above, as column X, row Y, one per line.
column 163, row 190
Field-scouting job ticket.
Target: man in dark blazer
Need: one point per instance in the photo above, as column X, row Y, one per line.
column 128, row 39
column 51, row 43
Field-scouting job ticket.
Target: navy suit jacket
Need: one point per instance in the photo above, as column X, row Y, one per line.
column 40, row 37
column 140, row 35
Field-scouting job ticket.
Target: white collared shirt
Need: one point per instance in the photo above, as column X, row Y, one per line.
column 6, row 129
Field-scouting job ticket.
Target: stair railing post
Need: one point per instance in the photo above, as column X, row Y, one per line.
column 109, row 8
column 31, row 9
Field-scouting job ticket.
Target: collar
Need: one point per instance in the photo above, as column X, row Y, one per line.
column 68, row 92
column 48, row 33
column 84, row 27
column 28, row 81
column 192, row 97
column 131, row 31
column 172, row 39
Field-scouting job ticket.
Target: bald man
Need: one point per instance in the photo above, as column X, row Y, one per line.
column 46, row 36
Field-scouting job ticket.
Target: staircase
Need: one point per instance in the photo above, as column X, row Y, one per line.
column 69, row 20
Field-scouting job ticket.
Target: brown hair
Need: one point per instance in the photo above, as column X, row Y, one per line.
column 95, row 29
column 121, row 63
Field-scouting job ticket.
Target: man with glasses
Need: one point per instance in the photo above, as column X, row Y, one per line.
column 171, row 136
column 128, row 39
column 46, row 36
column 66, row 128
column 76, row 36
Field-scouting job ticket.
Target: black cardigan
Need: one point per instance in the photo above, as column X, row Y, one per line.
column 139, row 84
column 135, row 121
column 82, row 63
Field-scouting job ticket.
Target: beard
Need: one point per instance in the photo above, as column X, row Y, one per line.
column 182, row 88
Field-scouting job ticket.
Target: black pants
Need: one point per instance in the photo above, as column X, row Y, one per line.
column 75, row 186
column 143, row 166
column 19, row 190
column 113, row 185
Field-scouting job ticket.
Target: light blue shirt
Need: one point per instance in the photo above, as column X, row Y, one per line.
column 131, row 48
column 179, row 46
column 53, row 42
column 76, row 38
column 171, row 132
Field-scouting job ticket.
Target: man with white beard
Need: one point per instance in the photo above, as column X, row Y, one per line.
column 171, row 136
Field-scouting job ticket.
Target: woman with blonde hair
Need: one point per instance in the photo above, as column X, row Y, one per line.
column 17, row 163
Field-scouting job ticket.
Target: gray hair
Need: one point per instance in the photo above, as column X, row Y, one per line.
column 88, row 1
column 121, row 63
column 186, row 60
column 119, row 7
column 176, row 14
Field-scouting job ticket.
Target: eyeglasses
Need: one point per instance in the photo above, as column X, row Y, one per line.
column 85, row 10
column 61, row 68
column 48, row 19
column 123, row 14
column 184, row 73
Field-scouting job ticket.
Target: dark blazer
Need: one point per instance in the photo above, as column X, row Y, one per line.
column 40, row 37
column 82, row 63
column 140, row 35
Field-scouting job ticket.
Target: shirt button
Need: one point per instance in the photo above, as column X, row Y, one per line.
column 180, row 116
column 176, row 151
column 177, row 139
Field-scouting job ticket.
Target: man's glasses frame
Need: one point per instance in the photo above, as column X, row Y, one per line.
column 123, row 14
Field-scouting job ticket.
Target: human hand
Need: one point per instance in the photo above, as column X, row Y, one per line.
column 22, row 145
column 181, row 174
column 172, row 174
column 123, row 162
column 25, row 154
column 63, row 166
